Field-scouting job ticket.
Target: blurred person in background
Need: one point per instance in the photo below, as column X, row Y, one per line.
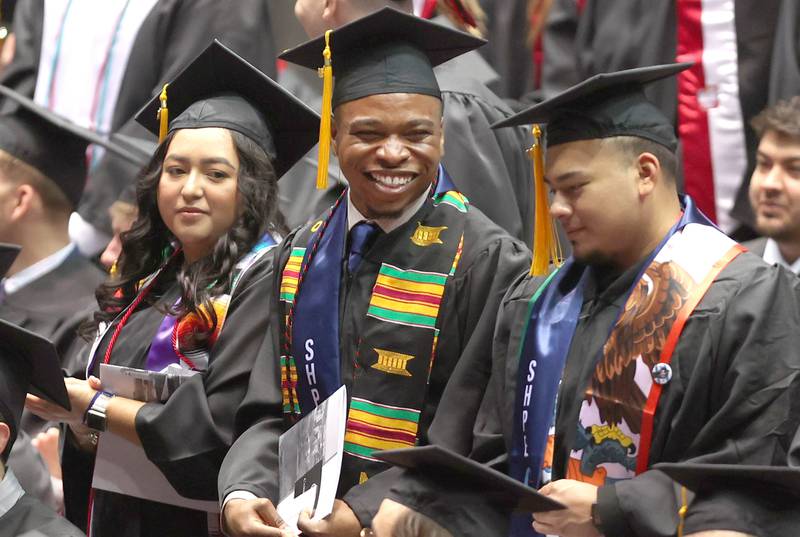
column 775, row 185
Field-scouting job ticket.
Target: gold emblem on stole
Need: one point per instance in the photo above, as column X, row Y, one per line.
column 363, row 478
column 427, row 235
column 393, row 363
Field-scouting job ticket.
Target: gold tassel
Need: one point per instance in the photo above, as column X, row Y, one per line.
column 326, row 73
column 682, row 512
column 163, row 115
column 546, row 247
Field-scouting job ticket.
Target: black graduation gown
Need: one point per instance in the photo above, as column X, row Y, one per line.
column 490, row 261
column 172, row 35
column 56, row 303
column 611, row 35
column 30, row 518
column 188, row 436
column 732, row 399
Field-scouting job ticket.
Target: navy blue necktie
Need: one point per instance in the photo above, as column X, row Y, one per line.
column 362, row 236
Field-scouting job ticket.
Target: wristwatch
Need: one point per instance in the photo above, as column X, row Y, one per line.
column 96, row 414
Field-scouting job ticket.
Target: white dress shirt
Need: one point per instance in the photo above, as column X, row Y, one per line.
column 10, row 492
column 772, row 255
column 14, row 283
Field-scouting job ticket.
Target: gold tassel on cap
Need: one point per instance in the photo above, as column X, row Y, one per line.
column 326, row 73
column 163, row 115
column 682, row 511
column 546, row 248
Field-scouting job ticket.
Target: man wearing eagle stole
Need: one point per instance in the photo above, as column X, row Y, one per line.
column 385, row 293
column 659, row 340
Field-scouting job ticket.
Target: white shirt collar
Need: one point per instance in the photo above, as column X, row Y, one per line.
column 772, row 255
column 14, row 283
column 10, row 492
column 388, row 225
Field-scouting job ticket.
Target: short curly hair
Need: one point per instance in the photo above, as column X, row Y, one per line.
column 783, row 117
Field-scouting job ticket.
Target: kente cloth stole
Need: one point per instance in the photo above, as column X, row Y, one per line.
column 171, row 344
column 397, row 344
column 616, row 418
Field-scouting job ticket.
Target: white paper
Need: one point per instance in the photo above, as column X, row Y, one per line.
column 310, row 455
column 123, row 467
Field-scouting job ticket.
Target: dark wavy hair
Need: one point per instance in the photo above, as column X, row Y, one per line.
column 149, row 243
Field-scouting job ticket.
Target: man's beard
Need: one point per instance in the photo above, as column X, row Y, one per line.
column 594, row 259
column 781, row 232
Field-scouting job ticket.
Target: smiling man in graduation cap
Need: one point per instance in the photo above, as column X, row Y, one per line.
column 388, row 290
column 659, row 340
column 27, row 362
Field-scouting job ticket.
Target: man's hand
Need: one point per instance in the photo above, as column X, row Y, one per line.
column 397, row 520
column 389, row 518
column 245, row 518
column 46, row 443
column 576, row 519
column 342, row 522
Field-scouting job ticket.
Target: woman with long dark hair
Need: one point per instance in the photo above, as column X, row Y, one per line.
column 190, row 297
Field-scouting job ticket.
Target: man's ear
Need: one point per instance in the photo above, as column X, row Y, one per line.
column 649, row 174
column 330, row 10
column 334, row 131
column 24, row 199
column 441, row 138
column 5, row 435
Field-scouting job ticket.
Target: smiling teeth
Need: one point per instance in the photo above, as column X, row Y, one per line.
column 391, row 180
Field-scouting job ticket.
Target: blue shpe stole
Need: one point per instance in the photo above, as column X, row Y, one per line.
column 552, row 319
column 315, row 328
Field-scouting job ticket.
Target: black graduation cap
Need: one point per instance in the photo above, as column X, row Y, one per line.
column 221, row 89
column 51, row 143
column 8, row 253
column 456, row 469
column 782, row 480
column 28, row 363
column 603, row 106
column 387, row 51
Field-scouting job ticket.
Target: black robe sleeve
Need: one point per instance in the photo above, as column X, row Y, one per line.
column 251, row 464
column 187, row 437
column 478, row 293
column 739, row 364
column 784, row 73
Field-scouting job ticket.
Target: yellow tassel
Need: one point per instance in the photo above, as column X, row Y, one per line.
column 163, row 115
column 682, row 511
column 326, row 73
column 546, row 247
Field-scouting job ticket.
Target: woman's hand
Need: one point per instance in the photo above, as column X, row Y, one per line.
column 80, row 394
